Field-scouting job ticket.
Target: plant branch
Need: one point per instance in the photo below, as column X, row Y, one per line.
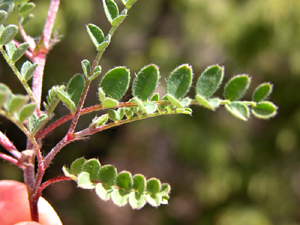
column 53, row 8
column 88, row 131
column 40, row 52
column 51, row 181
column 10, row 159
column 9, row 146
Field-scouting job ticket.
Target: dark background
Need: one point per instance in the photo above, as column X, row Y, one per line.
column 223, row 171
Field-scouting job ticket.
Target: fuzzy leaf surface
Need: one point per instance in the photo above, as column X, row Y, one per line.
column 239, row 110
column 180, row 81
column 153, row 186
column 16, row 102
column 95, row 33
column 124, row 180
column 26, row 111
column 108, row 175
column 76, row 166
column 120, row 197
column 92, row 166
column 262, row 92
column 111, row 10
column 137, row 200
column 26, row 8
column 264, row 110
column 145, row 82
column 8, row 34
column 3, row 16
column 103, row 192
column 20, row 51
column 236, row 87
column 10, row 49
column 209, row 81
column 84, row 181
column 115, row 82
column 75, row 88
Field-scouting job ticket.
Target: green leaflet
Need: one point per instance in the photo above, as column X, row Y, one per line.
column 96, row 34
column 153, row 186
column 16, row 102
column 262, row 92
column 111, row 9
column 65, row 98
column 239, row 110
column 35, row 123
column 128, row 3
column 3, row 16
column 236, row 87
column 209, row 81
column 26, row 8
column 8, row 34
column 120, row 197
column 19, row 52
column 107, row 175
column 115, row 82
column 84, row 181
column 103, row 191
column 180, row 81
column 136, row 200
column 10, row 49
column 139, row 183
column 75, row 88
column 100, row 121
column 76, row 166
column 26, row 111
column 154, row 200
column 124, row 180
column 145, row 82
column 92, row 166
column 86, row 67
column 264, row 110
column 52, row 99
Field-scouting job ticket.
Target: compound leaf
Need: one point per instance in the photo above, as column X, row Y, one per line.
column 3, row 16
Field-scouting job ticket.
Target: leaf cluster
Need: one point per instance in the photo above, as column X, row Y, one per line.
column 15, row 105
column 122, row 188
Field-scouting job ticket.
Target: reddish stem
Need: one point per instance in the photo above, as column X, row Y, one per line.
column 9, row 146
column 51, row 181
column 10, row 159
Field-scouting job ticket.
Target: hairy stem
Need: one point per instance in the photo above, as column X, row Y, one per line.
column 9, row 159
column 9, row 146
column 51, row 181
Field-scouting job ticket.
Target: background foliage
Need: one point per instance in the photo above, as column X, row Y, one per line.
column 222, row 171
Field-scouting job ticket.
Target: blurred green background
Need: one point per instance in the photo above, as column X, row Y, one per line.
column 222, row 171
